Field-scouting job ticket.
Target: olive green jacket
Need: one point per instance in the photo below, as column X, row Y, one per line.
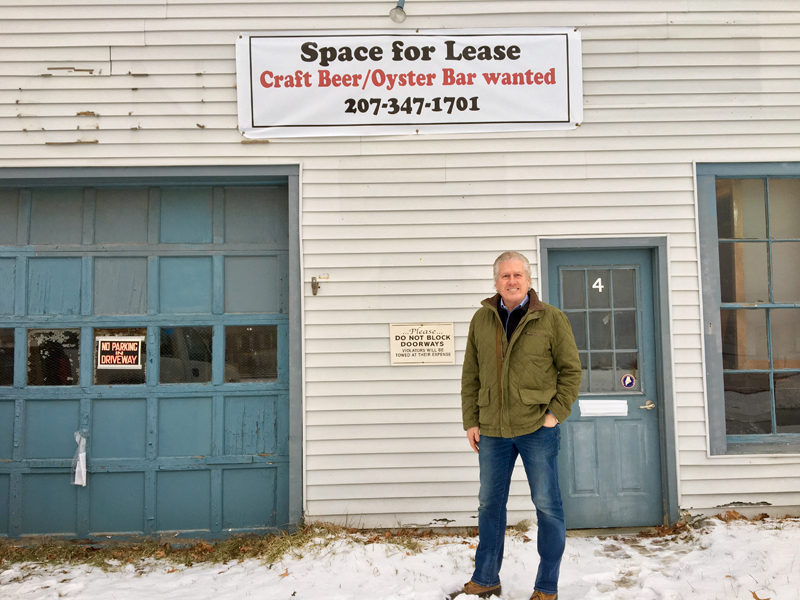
column 507, row 386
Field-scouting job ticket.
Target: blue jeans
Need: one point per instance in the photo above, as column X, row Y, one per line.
column 539, row 452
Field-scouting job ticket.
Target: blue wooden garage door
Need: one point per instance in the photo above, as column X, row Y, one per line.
column 190, row 436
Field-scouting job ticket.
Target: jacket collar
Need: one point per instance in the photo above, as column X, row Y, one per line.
column 534, row 303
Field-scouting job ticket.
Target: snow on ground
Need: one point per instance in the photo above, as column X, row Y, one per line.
column 740, row 559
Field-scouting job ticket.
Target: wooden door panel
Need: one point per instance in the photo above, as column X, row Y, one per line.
column 120, row 286
column 631, row 454
column 582, row 458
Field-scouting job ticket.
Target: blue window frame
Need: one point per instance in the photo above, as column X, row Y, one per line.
column 750, row 258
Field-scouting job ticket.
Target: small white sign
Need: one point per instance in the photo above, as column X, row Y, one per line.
column 603, row 408
column 422, row 344
column 119, row 352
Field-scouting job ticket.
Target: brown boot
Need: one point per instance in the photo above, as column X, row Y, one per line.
column 477, row 590
column 537, row 595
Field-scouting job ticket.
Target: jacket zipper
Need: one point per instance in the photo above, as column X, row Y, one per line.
column 500, row 362
column 501, row 358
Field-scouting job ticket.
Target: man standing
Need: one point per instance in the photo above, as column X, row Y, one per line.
column 521, row 375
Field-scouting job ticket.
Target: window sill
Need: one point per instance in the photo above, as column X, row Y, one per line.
column 768, row 446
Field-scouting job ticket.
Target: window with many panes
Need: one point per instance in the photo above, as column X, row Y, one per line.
column 754, row 294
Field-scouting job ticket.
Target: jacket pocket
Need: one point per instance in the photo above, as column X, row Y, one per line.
column 534, row 344
column 531, row 397
column 483, row 397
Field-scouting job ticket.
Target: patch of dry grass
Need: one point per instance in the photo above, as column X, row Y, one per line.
column 269, row 548
column 522, row 526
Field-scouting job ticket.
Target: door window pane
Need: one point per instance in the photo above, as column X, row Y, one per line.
column 251, row 353
column 628, row 364
column 741, row 209
column 54, row 356
column 786, row 271
column 599, row 289
column 747, row 403
column 625, row 330
column 578, row 323
column 624, row 288
column 584, row 356
column 6, row 357
column 744, row 272
column 602, row 372
column 744, row 339
column 784, row 208
column 602, row 364
column 600, row 330
column 787, row 402
column 185, row 355
column 132, row 345
column 573, row 289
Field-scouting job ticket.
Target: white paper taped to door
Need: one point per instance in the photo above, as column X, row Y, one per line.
column 79, row 461
column 603, row 408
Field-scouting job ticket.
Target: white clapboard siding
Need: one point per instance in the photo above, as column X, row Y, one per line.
column 780, row 502
column 404, row 229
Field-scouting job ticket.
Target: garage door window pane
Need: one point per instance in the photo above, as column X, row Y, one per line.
column 54, row 356
column 185, row 355
column 6, row 357
column 251, row 353
column 125, row 370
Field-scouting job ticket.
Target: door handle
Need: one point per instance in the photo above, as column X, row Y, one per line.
column 649, row 405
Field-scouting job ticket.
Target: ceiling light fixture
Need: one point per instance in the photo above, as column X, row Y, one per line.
column 397, row 14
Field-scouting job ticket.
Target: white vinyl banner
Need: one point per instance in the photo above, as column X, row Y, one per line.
column 404, row 82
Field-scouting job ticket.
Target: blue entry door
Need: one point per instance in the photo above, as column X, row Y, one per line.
column 610, row 467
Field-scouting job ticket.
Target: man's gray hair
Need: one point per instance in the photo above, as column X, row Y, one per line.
column 511, row 255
